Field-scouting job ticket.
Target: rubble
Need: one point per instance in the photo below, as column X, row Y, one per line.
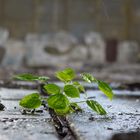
column 96, row 48
column 60, row 50
column 53, row 50
column 128, row 52
column 15, row 52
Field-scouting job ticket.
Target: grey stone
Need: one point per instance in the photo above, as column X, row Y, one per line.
column 15, row 52
column 56, row 50
column 64, row 41
column 96, row 47
column 128, row 52
column 36, row 55
column 78, row 56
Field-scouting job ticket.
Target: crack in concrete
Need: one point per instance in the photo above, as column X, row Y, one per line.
column 63, row 127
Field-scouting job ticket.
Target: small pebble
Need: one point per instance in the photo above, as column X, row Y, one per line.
column 120, row 113
column 39, row 111
column 108, row 128
column 109, row 106
column 91, row 118
column 1, row 107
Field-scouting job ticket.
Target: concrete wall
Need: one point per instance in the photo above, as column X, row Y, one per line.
column 113, row 19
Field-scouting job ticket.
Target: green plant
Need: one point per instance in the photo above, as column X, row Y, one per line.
column 59, row 98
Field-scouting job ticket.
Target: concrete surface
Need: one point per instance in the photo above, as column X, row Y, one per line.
column 123, row 116
column 15, row 126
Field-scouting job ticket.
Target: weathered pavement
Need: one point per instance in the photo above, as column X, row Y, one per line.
column 15, row 126
column 123, row 116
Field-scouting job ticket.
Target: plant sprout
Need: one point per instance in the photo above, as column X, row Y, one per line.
column 59, row 98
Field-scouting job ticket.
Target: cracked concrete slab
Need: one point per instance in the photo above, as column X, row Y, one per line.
column 123, row 116
column 15, row 126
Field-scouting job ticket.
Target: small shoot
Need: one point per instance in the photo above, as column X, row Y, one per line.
column 60, row 98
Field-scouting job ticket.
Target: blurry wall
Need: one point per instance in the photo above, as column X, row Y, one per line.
column 118, row 19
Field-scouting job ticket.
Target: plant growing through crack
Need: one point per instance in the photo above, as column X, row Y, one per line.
column 59, row 98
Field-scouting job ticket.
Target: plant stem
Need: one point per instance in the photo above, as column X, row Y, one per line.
column 80, row 102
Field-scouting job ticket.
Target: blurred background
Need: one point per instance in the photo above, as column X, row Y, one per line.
column 100, row 36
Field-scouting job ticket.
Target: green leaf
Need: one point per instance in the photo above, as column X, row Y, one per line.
column 58, row 101
column 79, row 86
column 95, row 106
column 71, row 91
column 88, row 77
column 75, row 106
column 26, row 77
column 31, row 101
column 52, row 88
column 30, row 77
column 62, row 111
column 66, row 75
column 106, row 89
column 43, row 78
